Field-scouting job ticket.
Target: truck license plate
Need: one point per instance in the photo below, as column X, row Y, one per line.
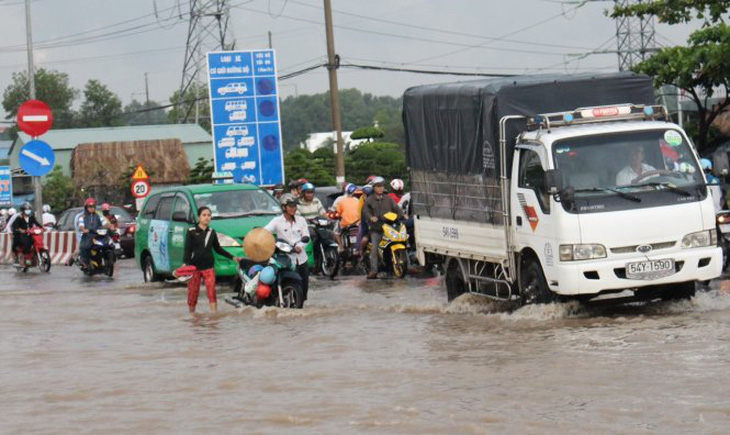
column 652, row 269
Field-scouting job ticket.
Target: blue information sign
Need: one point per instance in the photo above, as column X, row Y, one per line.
column 244, row 107
column 6, row 186
column 37, row 158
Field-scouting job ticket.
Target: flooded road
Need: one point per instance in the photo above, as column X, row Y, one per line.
column 91, row 355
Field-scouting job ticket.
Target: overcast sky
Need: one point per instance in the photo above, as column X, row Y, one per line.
column 117, row 41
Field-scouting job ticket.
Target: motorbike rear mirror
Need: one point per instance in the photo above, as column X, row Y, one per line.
column 553, row 181
column 305, row 239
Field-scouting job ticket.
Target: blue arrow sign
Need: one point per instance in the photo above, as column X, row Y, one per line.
column 245, row 116
column 37, row 158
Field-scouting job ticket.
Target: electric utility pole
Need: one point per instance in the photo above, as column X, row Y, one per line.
column 333, row 62
column 37, row 187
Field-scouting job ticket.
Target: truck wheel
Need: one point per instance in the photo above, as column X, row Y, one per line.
column 533, row 286
column 677, row 292
column 455, row 284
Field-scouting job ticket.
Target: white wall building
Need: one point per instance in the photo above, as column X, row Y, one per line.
column 317, row 140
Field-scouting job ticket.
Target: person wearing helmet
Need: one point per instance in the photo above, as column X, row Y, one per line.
column 349, row 211
column 49, row 220
column 22, row 224
column 89, row 222
column 292, row 228
column 635, row 168
column 713, row 185
column 310, row 207
column 200, row 243
column 376, row 206
column 278, row 191
column 12, row 215
column 396, row 186
column 343, row 195
column 106, row 211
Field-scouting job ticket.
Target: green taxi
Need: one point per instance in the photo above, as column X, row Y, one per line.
column 166, row 216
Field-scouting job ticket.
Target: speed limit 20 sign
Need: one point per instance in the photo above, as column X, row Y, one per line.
column 140, row 188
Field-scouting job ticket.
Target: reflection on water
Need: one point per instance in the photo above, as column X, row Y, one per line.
column 386, row 356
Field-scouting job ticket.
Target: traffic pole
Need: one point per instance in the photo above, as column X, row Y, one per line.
column 37, row 187
column 332, row 65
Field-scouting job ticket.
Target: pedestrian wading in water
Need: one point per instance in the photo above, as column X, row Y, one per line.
column 199, row 246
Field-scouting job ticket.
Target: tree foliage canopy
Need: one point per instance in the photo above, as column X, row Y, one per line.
column 700, row 68
column 367, row 133
column 101, row 107
column 311, row 113
column 59, row 191
column 52, row 87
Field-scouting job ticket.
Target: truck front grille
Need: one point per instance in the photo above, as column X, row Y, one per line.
column 632, row 249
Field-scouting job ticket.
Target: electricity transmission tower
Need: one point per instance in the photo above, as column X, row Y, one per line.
column 207, row 31
column 635, row 37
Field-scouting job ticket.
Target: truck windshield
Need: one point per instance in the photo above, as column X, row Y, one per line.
column 628, row 161
column 629, row 165
column 238, row 203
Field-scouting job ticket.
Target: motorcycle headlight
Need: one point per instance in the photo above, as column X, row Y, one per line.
column 227, row 241
column 284, row 247
column 699, row 239
column 581, row 252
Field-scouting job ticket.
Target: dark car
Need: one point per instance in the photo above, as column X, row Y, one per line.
column 127, row 226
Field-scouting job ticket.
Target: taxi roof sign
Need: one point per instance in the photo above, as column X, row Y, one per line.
column 140, row 174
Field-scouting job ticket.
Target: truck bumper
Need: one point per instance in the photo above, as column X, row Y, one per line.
column 593, row 277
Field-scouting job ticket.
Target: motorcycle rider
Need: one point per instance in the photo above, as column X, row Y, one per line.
column 343, row 195
column 89, row 221
column 278, row 191
column 12, row 215
column 713, row 185
column 396, row 192
column 362, row 235
column 49, row 220
column 106, row 211
column 376, row 206
column 349, row 211
column 20, row 227
column 292, row 228
column 310, row 207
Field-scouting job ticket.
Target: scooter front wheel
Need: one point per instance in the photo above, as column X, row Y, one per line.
column 400, row 263
column 331, row 262
column 292, row 295
column 44, row 261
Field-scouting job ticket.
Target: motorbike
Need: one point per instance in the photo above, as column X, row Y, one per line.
column 351, row 253
column 723, row 237
column 38, row 255
column 326, row 250
column 116, row 239
column 393, row 247
column 286, row 290
column 102, row 254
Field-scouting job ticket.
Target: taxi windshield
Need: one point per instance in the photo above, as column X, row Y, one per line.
column 627, row 162
column 238, row 203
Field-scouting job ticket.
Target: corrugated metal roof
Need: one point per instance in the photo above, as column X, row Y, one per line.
column 69, row 138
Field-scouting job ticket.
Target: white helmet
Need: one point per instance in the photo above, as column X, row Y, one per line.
column 397, row 184
column 3, row 212
column 12, row 211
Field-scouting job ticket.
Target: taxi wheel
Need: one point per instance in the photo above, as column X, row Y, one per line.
column 148, row 270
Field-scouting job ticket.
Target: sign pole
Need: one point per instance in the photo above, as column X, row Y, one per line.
column 37, row 188
column 332, row 65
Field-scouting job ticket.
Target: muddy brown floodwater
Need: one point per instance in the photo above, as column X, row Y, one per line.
column 81, row 355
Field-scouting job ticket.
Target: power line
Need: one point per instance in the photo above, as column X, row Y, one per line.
column 423, row 71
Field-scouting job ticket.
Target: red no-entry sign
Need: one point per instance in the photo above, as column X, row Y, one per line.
column 35, row 117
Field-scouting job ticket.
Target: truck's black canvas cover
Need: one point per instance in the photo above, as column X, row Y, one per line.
column 452, row 130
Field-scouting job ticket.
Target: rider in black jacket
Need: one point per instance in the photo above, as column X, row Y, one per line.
column 25, row 221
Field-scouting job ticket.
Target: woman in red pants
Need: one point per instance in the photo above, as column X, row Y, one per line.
column 199, row 246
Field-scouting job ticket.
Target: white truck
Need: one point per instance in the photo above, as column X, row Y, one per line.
column 546, row 187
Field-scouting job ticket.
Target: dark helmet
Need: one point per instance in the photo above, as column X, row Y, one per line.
column 26, row 206
column 288, row 199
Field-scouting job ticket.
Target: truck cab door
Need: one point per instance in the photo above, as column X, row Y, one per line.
column 533, row 223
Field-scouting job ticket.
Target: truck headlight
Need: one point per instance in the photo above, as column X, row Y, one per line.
column 227, row 241
column 699, row 239
column 581, row 252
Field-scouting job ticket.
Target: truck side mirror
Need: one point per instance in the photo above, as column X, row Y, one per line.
column 553, row 181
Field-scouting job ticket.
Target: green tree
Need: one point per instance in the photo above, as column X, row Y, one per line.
column 184, row 106
column 101, row 107
column 59, row 191
column 300, row 163
column 139, row 113
column 702, row 67
column 202, row 172
column 368, row 132
column 376, row 158
column 307, row 114
column 52, row 87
